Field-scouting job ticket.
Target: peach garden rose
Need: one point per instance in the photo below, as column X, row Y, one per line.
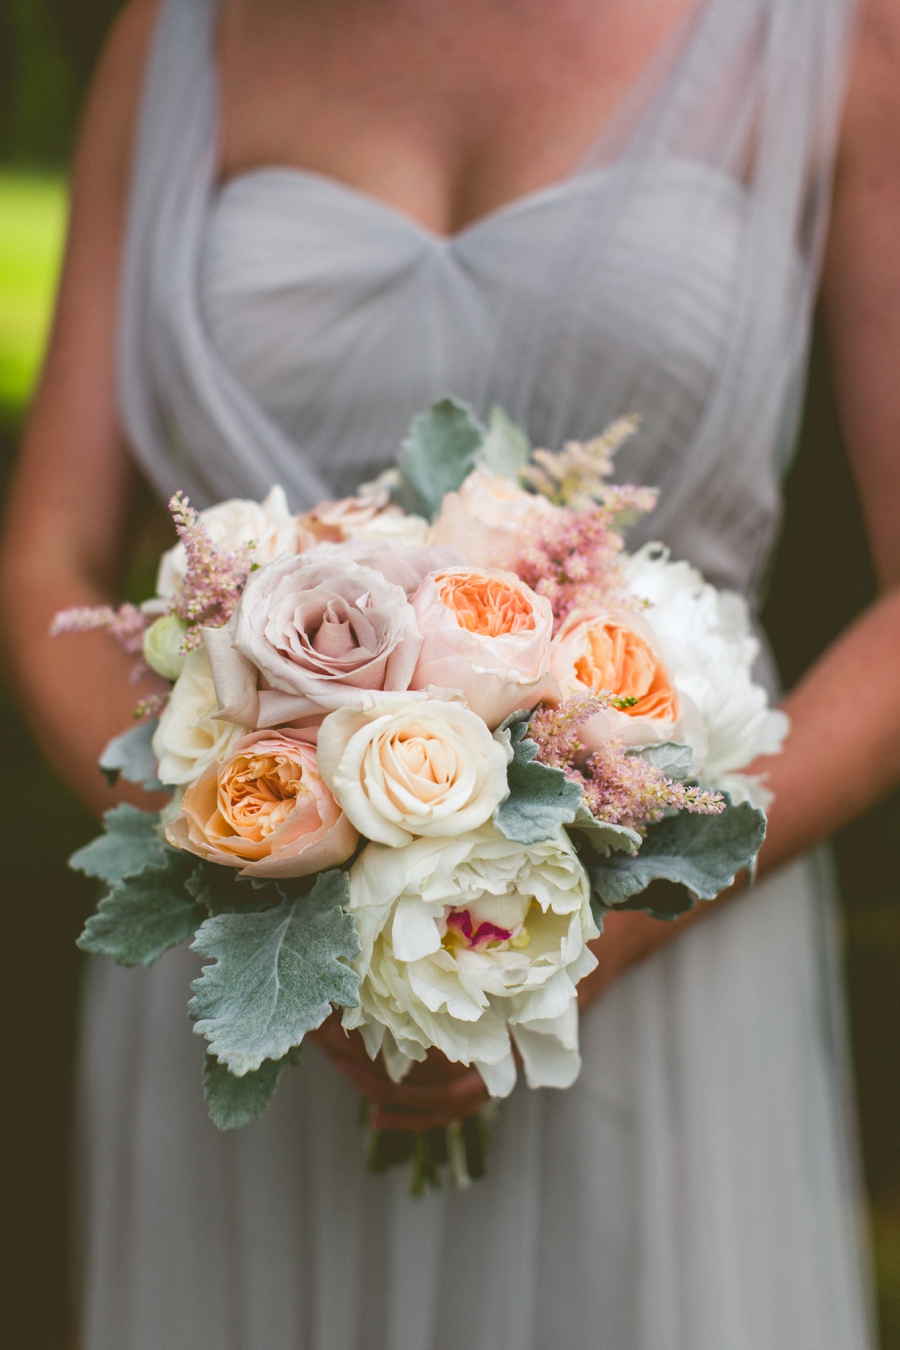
column 266, row 810
column 486, row 634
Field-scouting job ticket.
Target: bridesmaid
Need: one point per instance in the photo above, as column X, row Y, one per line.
column 666, row 1201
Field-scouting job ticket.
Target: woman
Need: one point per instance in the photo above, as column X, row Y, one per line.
column 316, row 217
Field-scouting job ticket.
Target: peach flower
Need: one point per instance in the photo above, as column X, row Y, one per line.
column 616, row 652
column 489, row 518
column 486, row 634
column 265, row 809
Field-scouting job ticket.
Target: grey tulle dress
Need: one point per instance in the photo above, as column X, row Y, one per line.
column 695, row 1189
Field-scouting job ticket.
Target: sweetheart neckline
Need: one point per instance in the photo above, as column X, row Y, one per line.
column 525, row 201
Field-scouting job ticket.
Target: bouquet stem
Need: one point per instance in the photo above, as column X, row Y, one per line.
column 460, row 1147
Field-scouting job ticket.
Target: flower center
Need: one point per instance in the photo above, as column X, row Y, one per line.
column 479, row 935
column 486, row 605
column 258, row 792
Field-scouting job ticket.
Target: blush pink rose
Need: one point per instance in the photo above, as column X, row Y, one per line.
column 312, row 633
column 489, row 519
column 486, row 634
column 266, row 810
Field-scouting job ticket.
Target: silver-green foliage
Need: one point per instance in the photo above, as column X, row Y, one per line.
column 439, row 452
column 275, row 974
column 702, row 853
column 234, row 1102
column 541, row 798
column 131, row 757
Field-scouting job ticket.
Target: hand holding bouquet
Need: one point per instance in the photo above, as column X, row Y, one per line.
column 418, row 743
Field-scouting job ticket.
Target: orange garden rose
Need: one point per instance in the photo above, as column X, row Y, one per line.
column 266, row 810
column 486, row 634
column 616, row 653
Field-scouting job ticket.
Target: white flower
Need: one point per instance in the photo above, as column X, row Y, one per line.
column 706, row 643
column 268, row 525
column 466, row 942
column 408, row 767
column 189, row 737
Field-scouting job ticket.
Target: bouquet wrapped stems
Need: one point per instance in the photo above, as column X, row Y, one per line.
column 461, row 1146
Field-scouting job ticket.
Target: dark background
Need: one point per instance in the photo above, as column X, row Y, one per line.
column 822, row 578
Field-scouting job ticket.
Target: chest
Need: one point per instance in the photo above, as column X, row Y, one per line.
column 443, row 111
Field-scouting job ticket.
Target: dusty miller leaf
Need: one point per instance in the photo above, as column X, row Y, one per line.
column 438, row 454
column 505, row 449
column 131, row 756
column 222, row 890
column 541, row 798
column 674, row 760
column 703, row 853
column 143, row 915
column 234, row 1102
column 131, row 841
column 595, row 839
column 276, row 974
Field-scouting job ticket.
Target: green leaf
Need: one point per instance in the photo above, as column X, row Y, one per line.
column 131, row 842
column 222, row 890
column 674, row 760
column 276, row 974
column 703, row 853
column 234, row 1102
column 505, row 449
column 541, row 798
column 438, row 454
column 131, row 756
column 595, row 839
column 143, row 915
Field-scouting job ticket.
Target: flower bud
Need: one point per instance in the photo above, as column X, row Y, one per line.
column 162, row 646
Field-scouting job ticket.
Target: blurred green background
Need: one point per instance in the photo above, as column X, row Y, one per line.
column 822, row 578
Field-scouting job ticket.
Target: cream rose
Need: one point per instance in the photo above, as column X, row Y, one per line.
column 190, row 737
column 310, row 634
column 486, row 634
column 489, row 519
column 410, row 768
column 467, row 942
column 266, row 810
column 268, row 525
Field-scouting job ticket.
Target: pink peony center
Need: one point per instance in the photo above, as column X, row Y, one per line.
column 475, row 936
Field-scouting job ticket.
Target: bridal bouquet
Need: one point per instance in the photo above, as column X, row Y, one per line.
column 418, row 743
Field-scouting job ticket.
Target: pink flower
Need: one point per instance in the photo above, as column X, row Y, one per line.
column 486, row 634
column 266, row 810
column 488, row 518
column 312, row 633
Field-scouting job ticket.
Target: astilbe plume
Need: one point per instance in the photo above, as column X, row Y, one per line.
column 127, row 625
column 214, row 578
column 619, row 789
column 576, row 475
column 573, row 560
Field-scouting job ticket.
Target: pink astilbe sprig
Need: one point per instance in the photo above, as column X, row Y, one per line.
column 573, row 560
column 619, row 789
column 127, row 623
column 214, row 578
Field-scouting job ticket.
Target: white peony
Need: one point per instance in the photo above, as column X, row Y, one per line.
column 408, row 767
column 268, row 525
column 189, row 737
column 466, row 942
column 706, row 643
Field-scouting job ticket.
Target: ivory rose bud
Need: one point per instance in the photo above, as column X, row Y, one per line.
column 268, row 525
column 312, row 633
column 190, row 737
column 162, row 646
column 489, row 519
column 410, row 767
column 266, row 810
column 616, row 652
column 486, row 634
column 468, row 942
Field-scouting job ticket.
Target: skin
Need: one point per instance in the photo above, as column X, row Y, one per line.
column 445, row 113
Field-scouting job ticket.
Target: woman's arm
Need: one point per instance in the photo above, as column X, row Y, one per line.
column 68, row 515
